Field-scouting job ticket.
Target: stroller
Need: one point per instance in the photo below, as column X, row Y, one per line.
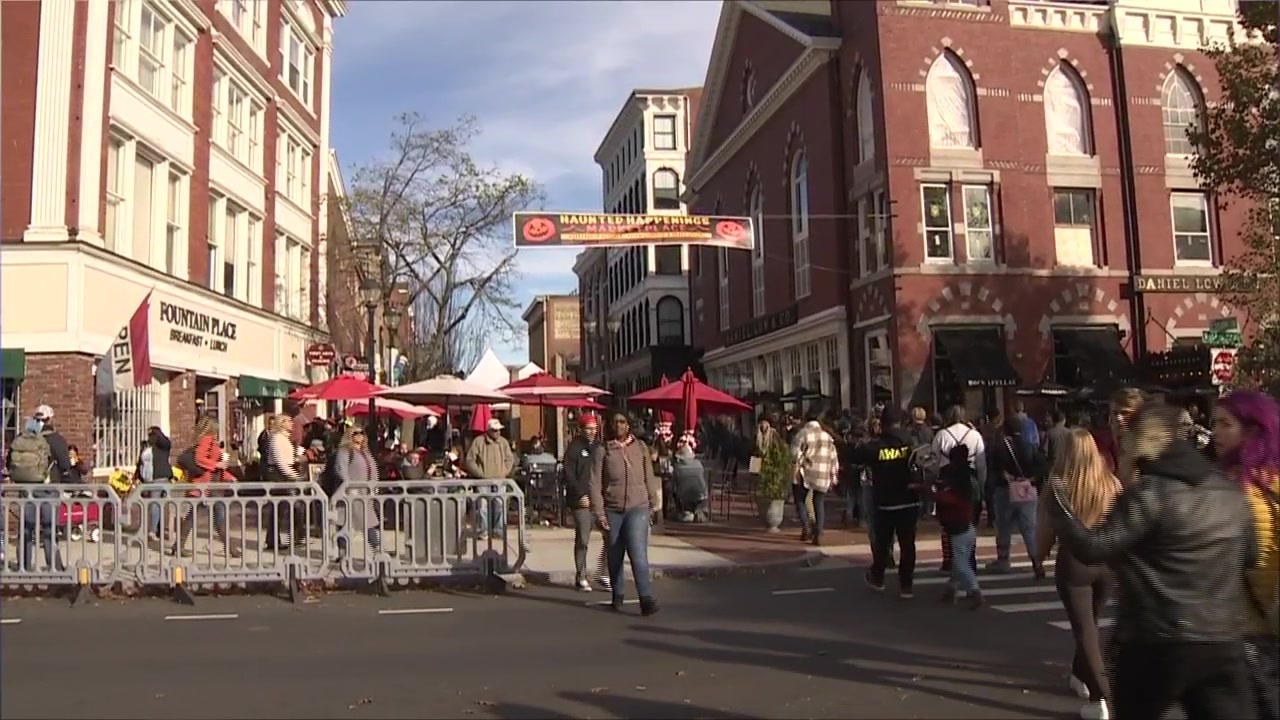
column 74, row 518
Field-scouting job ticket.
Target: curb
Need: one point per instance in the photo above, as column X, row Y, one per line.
column 566, row 578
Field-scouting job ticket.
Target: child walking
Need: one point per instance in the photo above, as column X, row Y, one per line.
column 954, row 497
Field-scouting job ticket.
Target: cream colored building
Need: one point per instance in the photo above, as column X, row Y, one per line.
column 194, row 172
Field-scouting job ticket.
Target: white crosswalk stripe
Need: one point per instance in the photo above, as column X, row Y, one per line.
column 1014, row 592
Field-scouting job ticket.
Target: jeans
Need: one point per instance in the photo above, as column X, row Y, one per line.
column 583, row 523
column 852, row 492
column 41, row 521
column 963, row 575
column 1209, row 680
column 491, row 516
column 900, row 523
column 1263, row 655
column 187, row 524
column 800, row 494
column 155, row 511
column 1009, row 515
column 629, row 537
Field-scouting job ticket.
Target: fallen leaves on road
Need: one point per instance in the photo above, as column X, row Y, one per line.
column 361, row 701
column 486, row 703
column 681, row 673
column 641, row 688
column 598, row 690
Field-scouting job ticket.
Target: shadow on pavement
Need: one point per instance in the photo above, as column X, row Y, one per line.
column 846, row 660
column 614, row 706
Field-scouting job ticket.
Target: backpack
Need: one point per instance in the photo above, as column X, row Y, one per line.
column 187, row 464
column 30, row 459
column 925, row 462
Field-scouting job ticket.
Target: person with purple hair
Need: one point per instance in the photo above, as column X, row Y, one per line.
column 1246, row 433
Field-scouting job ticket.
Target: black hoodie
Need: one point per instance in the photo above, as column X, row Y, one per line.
column 577, row 468
column 888, row 457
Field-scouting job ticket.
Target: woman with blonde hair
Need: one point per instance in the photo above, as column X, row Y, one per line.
column 1178, row 539
column 280, row 465
column 1090, row 491
column 202, row 463
column 354, row 463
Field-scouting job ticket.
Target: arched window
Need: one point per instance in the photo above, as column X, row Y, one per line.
column 1066, row 113
column 953, row 119
column 756, row 210
column 670, row 321
column 865, row 118
column 1181, row 103
column 800, row 222
column 666, row 190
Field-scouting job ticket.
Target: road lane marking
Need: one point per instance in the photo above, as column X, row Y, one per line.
column 804, row 591
column 632, row 601
column 1029, row 607
column 10, row 621
column 1066, row 624
column 414, row 611
column 1019, row 590
column 221, row 616
column 940, row 579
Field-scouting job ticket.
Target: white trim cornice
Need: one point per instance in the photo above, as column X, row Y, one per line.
column 293, row 122
column 335, row 8
column 190, row 16
column 713, row 85
column 241, row 68
column 626, row 119
column 809, row 62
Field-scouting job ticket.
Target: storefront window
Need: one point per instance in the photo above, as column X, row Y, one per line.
column 879, row 368
column 120, row 423
column 949, row 390
column 813, row 367
column 831, row 350
column 11, row 406
column 797, row 370
column 775, row 372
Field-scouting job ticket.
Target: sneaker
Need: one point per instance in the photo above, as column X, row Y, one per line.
column 584, row 586
column 905, row 594
column 804, row 535
column 872, row 582
column 604, row 583
column 975, row 601
column 1095, row 710
column 944, row 569
column 998, row 567
column 1039, row 572
column 891, row 565
column 617, row 604
column 817, row 540
column 1078, row 687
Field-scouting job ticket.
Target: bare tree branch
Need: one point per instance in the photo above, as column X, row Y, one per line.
column 442, row 224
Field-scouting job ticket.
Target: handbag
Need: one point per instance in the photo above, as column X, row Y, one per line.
column 1021, row 489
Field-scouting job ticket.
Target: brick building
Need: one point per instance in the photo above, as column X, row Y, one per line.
column 555, row 345
column 959, row 202
column 177, row 148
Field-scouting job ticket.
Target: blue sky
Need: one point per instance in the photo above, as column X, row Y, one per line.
column 545, row 80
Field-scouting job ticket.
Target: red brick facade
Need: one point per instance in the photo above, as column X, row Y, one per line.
column 1024, row 291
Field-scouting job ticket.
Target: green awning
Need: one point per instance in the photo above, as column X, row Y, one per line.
column 13, row 363
column 254, row 387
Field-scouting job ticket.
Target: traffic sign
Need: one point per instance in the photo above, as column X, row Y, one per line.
column 1227, row 339
column 1226, row 324
column 1223, row 365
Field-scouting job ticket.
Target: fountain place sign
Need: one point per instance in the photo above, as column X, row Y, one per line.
column 196, row 329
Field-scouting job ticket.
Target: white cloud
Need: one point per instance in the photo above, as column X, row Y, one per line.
column 545, row 80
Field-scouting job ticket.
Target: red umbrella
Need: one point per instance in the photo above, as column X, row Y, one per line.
column 584, row 403
column 665, row 416
column 672, row 397
column 480, row 417
column 690, row 381
column 544, row 385
column 342, row 387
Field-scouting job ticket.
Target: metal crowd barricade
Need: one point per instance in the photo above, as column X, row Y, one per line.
column 417, row 529
column 223, row 533
column 60, row 534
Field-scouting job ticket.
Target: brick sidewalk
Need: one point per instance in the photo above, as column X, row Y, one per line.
column 743, row 538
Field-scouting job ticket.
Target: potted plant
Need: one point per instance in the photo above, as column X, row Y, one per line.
column 772, row 485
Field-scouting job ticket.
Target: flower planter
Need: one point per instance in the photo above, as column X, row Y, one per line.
column 771, row 512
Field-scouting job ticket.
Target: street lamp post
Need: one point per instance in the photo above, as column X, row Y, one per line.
column 593, row 329
column 368, row 267
column 391, row 314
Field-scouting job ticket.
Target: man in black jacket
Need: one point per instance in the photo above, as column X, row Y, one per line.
column 1179, row 540
column 896, row 497
column 577, row 480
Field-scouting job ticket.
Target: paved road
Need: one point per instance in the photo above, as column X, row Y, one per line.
column 720, row 648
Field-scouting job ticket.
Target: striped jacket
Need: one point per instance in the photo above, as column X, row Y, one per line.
column 814, row 452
